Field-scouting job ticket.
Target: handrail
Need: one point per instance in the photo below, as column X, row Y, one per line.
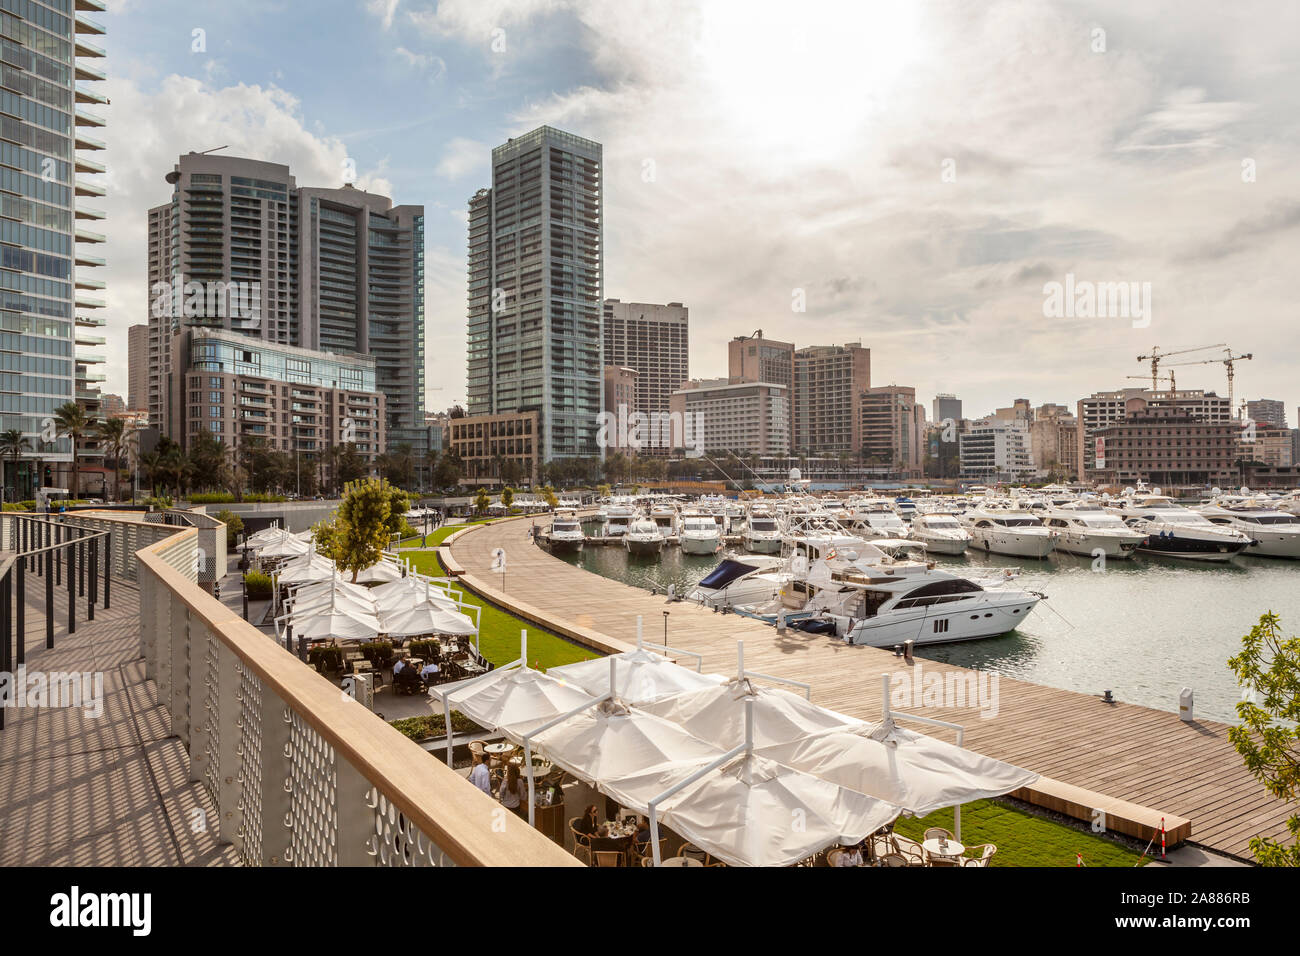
column 462, row 822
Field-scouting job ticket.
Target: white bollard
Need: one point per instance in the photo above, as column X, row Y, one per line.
column 1185, row 704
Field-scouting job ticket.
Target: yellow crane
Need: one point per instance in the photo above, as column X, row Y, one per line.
column 1157, row 356
column 1173, row 385
column 1229, row 363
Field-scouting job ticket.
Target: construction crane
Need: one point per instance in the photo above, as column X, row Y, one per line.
column 1157, row 356
column 1173, row 385
column 1229, row 363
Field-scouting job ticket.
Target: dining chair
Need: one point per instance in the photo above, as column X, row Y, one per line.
column 694, row 852
column 894, row 859
column 833, row 857
column 581, row 843
column 984, row 854
column 909, row 850
column 936, row 833
column 608, row 858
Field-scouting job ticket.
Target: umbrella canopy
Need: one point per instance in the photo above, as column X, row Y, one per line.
column 323, row 589
column 286, row 546
column 514, row 701
column 917, row 772
column 313, row 568
column 427, row 619
column 348, row 603
column 744, row 812
column 408, row 593
column 612, row 741
column 266, row 535
column 379, row 573
column 641, row 675
column 717, row 714
column 340, row 623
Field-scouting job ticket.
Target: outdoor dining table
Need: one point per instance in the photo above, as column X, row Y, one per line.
column 680, row 861
column 944, row 852
column 498, row 748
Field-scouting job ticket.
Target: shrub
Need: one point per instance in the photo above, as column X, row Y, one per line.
column 212, row 498
column 258, row 585
column 159, row 503
column 432, row 725
column 378, row 653
column 425, row 649
column 259, row 497
column 234, row 525
column 326, row 657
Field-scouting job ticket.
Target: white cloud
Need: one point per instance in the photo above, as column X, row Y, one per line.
column 384, row 10
column 463, row 156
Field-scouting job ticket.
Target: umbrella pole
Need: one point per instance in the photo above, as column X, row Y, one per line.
column 639, row 637
column 532, row 787
column 446, row 716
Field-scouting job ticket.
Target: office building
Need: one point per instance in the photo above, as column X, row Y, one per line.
column 137, row 367
column 828, row 386
column 243, row 248
column 720, row 416
column 496, row 450
column 653, row 340
column 1102, row 409
column 50, row 331
column 996, row 449
column 1267, row 411
column 946, row 407
column 892, row 428
column 536, row 290
column 621, row 431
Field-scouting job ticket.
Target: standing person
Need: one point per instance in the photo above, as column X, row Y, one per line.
column 513, row 790
column 479, row 776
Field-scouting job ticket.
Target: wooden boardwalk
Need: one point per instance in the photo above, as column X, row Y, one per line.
column 1124, row 751
column 98, row 786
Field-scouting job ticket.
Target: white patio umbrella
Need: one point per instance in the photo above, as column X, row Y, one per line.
column 918, row 772
column 313, row 568
column 342, row 601
column 516, row 701
column 411, row 592
column 284, row 547
column 336, row 585
column 340, row 623
column 380, row 572
column 642, row 676
column 717, row 714
column 265, row 535
column 427, row 619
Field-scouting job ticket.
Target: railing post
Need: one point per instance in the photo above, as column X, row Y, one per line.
column 81, row 564
column 20, row 587
column 71, row 548
column 181, row 674
column 276, row 761
column 49, row 603
column 221, row 710
column 108, row 565
column 93, row 574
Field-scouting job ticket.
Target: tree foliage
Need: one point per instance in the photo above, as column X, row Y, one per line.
column 370, row 513
column 1268, row 737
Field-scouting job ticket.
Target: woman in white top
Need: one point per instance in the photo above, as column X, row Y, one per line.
column 849, row 856
column 513, row 790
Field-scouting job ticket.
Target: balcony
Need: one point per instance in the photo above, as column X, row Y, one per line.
column 82, row 141
column 84, row 165
column 85, row 72
column 85, row 235
column 84, row 188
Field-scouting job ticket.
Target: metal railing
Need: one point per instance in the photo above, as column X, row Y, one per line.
column 300, row 772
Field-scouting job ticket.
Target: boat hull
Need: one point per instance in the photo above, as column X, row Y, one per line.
column 1087, row 545
column 1186, row 548
column 979, row 620
column 762, row 545
column 644, row 546
column 709, row 545
column 1011, row 543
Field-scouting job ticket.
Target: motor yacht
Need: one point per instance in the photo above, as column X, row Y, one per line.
column 747, row 580
column 1086, row 528
column 875, row 517
column 762, row 533
column 566, row 533
column 1007, row 531
column 941, row 533
column 700, row 534
column 644, row 537
column 619, row 516
column 1174, row 531
column 1273, row 533
column 664, row 514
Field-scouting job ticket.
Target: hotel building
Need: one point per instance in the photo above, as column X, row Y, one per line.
column 653, row 340
column 1166, row 444
column 892, row 429
column 747, row 418
column 828, row 385
column 1102, row 409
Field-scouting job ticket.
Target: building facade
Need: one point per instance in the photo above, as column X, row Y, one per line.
column 1166, row 444
column 622, row 388
column 51, row 332
column 828, row 384
column 1267, row 411
column 996, row 449
column 536, row 290
column 752, row 358
column 1054, row 439
column 1262, row 443
column 745, row 418
column 946, row 407
column 496, row 450
column 1102, row 409
column 893, row 429
column 242, row 248
column 137, row 367
column 653, row 340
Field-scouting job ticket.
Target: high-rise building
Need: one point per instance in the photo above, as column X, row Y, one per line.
column 828, row 384
column 242, row 247
column 655, row 341
column 752, row 358
column 1102, row 409
column 621, row 401
column 747, row 418
column 137, row 367
column 893, row 425
column 946, row 407
column 49, row 331
column 536, row 290
column 1267, row 411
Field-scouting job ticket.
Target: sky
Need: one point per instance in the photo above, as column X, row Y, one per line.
column 913, row 176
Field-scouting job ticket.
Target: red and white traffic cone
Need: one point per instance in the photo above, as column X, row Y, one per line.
column 1078, row 859
column 1163, row 858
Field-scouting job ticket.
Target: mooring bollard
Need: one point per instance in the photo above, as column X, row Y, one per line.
column 907, row 650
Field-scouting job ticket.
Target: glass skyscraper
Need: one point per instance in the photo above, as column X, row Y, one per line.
column 48, row 327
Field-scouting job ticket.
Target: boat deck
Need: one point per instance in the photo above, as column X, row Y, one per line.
column 1131, row 754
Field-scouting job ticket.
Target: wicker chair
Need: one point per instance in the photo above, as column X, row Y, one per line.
column 607, row 858
column 894, row 859
column 581, row 842
column 936, row 833
column 909, row 850
column 985, row 854
column 833, row 856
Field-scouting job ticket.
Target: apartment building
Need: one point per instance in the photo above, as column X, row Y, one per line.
column 137, row 367
column 996, row 449
column 486, row 443
column 1102, row 409
column 893, row 429
column 945, row 407
column 1054, row 440
column 654, row 341
column 621, row 402
column 828, row 384
column 1265, row 443
column 746, row 418
column 1166, row 444
column 536, row 290
column 1268, row 411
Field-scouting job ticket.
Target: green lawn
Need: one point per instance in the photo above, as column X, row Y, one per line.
column 438, row 535
column 499, row 630
column 1022, row 839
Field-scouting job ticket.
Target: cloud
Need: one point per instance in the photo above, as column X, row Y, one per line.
column 463, row 156
column 385, row 10
column 428, row 62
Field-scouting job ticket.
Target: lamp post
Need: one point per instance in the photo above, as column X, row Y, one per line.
column 665, row 630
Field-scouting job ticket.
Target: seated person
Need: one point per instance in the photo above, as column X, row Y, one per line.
column 398, row 666
column 428, row 670
column 850, row 856
column 641, row 838
column 587, row 824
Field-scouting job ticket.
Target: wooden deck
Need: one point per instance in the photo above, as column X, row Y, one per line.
column 1132, row 754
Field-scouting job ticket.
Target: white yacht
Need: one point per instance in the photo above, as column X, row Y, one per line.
column 940, row 533
column 700, row 534
column 664, row 514
column 643, row 536
column 1273, row 533
column 875, row 517
column 618, row 518
column 1085, row 527
column 882, row 605
column 1177, row 532
column 566, row 533
column 752, row 579
column 1007, row 531
column 762, row 533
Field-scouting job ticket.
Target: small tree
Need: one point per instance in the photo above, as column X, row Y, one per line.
column 234, row 525
column 481, row 502
column 361, row 528
column 507, row 496
column 603, row 490
column 1268, row 737
column 548, row 493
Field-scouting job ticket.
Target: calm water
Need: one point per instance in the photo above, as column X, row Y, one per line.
column 1143, row 628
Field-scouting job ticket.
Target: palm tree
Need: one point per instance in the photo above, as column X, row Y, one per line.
column 70, row 419
column 151, row 464
column 113, row 433
column 12, row 446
